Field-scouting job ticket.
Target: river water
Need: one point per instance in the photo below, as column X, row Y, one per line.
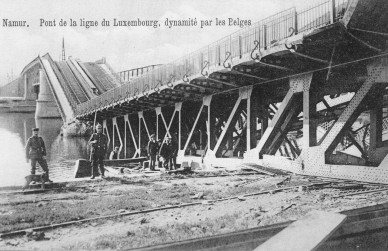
column 62, row 152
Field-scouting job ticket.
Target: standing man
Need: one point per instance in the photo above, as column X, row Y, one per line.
column 36, row 150
column 168, row 152
column 152, row 150
column 174, row 153
column 99, row 143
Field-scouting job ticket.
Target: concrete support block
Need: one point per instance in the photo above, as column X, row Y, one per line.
column 82, row 168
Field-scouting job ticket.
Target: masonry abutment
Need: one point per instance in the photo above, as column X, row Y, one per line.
column 46, row 106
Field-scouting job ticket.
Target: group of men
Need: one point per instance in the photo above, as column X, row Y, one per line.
column 36, row 152
column 167, row 152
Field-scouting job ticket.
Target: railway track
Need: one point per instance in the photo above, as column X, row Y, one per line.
column 363, row 190
column 64, row 224
column 364, row 228
column 360, row 223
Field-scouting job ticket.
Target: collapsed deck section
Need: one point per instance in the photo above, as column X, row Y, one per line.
column 73, row 83
column 100, row 75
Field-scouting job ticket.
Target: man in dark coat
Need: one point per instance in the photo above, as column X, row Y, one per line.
column 152, row 150
column 174, row 153
column 99, row 143
column 168, row 153
column 36, row 150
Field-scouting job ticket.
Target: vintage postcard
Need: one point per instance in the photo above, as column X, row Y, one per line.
column 193, row 125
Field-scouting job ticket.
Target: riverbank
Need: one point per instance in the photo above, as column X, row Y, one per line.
column 147, row 208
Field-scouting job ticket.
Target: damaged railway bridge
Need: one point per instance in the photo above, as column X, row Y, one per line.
column 298, row 92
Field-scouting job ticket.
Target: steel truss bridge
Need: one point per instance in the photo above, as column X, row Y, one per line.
column 303, row 91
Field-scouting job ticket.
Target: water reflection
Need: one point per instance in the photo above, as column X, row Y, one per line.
column 15, row 129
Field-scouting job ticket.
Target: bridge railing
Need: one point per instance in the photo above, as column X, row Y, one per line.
column 127, row 75
column 266, row 32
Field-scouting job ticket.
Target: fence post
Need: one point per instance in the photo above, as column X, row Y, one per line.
column 265, row 36
column 296, row 23
column 240, row 45
column 332, row 11
column 219, row 55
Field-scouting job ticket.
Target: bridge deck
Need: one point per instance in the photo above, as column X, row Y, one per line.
column 72, row 82
column 100, row 78
column 285, row 44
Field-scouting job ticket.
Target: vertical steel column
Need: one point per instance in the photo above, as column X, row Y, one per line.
column 140, row 114
column 158, row 112
column 212, row 122
column 178, row 108
column 252, row 113
column 125, row 135
column 376, row 124
column 208, row 123
column 113, row 131
column 254, row 106
column 249, row 124
column 309, row 118
column 376, row 120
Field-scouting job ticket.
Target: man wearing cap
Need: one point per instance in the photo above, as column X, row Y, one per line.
column 36, row 150
column 99, row 144
column 152, row 150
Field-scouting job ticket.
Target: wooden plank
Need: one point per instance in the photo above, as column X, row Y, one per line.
column 239, row 240
column 307, row 233
column 118, row 162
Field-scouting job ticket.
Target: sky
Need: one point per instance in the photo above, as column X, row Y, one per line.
column 123, row 47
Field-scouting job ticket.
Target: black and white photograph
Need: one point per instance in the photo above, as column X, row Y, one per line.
column 250, row 125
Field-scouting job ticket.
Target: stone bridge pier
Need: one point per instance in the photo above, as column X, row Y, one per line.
column 46, row 107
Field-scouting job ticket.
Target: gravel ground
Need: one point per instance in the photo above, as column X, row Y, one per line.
column 211, row 215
